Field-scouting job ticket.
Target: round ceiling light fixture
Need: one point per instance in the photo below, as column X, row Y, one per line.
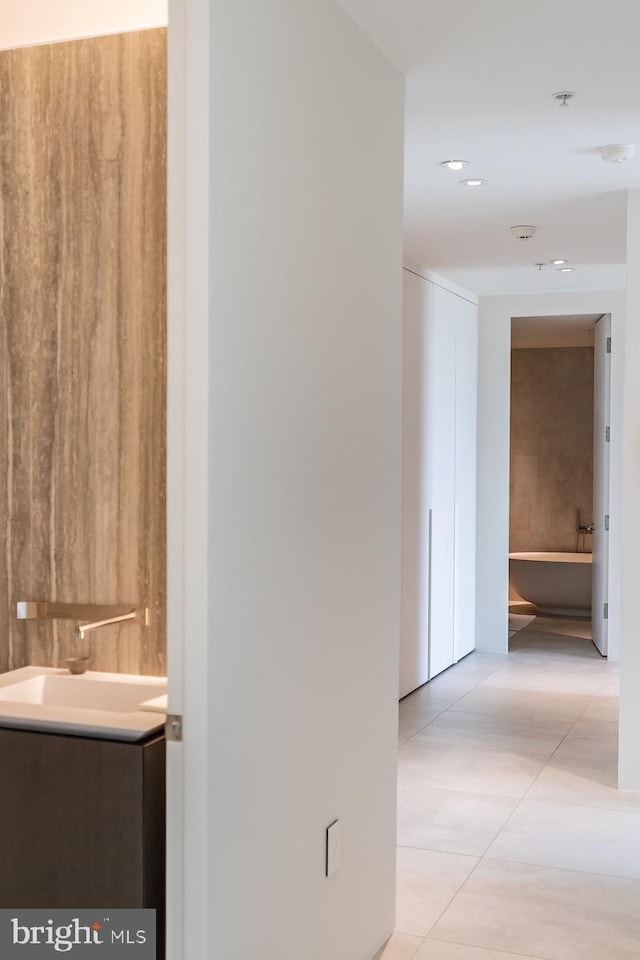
column 618, row 152
column 523, row 231
column 566, row 269
column 558, row 263
column 563, row 97
column 455, row 164
column 473, row 183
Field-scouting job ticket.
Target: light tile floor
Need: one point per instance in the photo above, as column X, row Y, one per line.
column 513, row 840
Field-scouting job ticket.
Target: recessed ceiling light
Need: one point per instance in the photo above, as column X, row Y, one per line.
column 472, row 183
column 455, row 164
column 567, row 269
column 558, row 263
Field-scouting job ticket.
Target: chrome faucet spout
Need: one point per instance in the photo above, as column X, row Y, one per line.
column 137, row 616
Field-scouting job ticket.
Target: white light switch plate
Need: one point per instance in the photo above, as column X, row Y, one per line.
column 334, row 847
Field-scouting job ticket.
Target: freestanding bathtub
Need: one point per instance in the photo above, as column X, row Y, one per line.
column 558, row 583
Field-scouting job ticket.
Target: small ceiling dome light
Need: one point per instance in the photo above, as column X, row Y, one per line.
column 523, row 231
column 618, row 152
column 567, row 269
column 563, row 97
column 473, row 183
column 455, row 164
column 558, row 263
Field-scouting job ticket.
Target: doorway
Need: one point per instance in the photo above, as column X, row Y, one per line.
column 559, row 480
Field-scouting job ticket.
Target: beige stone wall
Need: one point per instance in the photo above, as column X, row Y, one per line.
column 551, row 446
column 82, row 357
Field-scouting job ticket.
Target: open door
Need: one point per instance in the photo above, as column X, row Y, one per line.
column 601, row 458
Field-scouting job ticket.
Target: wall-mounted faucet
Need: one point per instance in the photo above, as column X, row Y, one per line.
column 98, row 615
column 581, row 530
column 137, row 616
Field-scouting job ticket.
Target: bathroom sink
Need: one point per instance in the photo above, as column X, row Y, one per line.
column 111, row 706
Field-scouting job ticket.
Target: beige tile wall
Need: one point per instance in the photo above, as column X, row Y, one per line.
column 551, row 446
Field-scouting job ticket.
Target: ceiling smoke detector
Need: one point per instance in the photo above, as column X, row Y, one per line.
column 564, row 97
column 524, row 231
column 618, row 152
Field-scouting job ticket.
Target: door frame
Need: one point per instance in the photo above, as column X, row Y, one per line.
column 601, row 483
column 188, row 474
column 494, row 383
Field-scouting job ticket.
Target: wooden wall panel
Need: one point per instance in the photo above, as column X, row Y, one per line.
column 82, row 343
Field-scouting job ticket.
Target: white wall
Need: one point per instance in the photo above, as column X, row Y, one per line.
column 302, row 311
column 629, row 770
column 27, row 22
column 494, row 382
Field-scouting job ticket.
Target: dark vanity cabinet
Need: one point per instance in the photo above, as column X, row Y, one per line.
column 82, row 822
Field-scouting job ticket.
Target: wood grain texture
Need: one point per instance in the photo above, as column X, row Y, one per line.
column 83, row 344
column 82, row 822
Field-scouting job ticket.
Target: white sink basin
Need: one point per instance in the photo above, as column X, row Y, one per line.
column 113, row 706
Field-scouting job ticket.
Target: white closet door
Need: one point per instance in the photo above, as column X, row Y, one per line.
column 440, row 426
column 465, row 477
column 439, row 485
column 414, row 649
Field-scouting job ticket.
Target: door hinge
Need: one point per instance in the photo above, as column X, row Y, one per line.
column 173, row 728
column 606, row 521
column 608, row 344
column 605, row 612
column 607, row 434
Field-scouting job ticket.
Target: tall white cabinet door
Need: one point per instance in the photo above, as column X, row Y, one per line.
column 465, row 477
column 439, row 485
column 440, row 429
column 414, row 649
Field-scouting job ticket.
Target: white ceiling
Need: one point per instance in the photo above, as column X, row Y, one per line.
column 31, row 22
column 480, row 79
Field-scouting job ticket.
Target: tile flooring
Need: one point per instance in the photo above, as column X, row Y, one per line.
column 513, row 840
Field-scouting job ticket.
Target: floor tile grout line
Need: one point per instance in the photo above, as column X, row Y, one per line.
column 520, row 800
column 438, row 715
column 453, row 897
column 569, row 731
column 506, row 953
column 493, row 746
column 512, row 814
column 419, row 947
column 588, row 700
column 448, row 853
column 582, row 873
column 586, row 806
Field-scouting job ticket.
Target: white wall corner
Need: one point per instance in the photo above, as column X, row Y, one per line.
column 300, row 375
column 492, row 524
column 629, row 752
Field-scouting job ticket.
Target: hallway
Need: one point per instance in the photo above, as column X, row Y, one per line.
column 512, row 838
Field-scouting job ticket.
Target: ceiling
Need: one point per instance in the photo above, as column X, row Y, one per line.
column 26, row 22
column 565, row 331
column 480, row 79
